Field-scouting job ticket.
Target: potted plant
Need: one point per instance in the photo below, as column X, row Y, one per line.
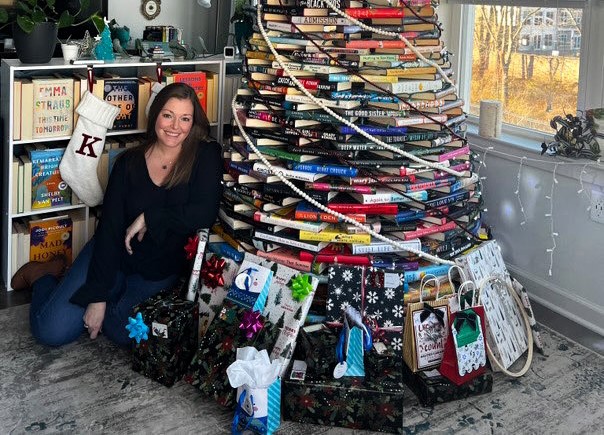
column 35, row 25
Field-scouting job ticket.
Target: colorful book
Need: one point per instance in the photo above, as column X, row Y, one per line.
column 123, row 93
column 52, row 107
column 50, row 237
column 197, row 80
column 47, row 187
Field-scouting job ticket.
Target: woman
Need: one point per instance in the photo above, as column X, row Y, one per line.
column 158, row 194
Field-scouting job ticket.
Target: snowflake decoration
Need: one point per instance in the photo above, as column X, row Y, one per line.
column 388, row 324
column 377, row 314
column 372, row 297
column 345, row 306
column 331, row 273
column 337, row 291
column 397, row 311
column 389, row 293
column 329, row 304
column 347, row 275
column 396, row 343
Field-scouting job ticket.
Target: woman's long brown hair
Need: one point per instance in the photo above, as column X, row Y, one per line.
column 181, row 171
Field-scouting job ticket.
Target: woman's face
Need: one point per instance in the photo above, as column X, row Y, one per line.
column 174, row 122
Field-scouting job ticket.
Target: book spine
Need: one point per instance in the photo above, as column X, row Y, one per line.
column 336, row 259
column 417, row 275
column 386, row 209
column 376, row 13
column 335, row 237
column 431, row 184
column 377, row 131
column 376, row 248
column 286, row 260
column 296, row 175
column 455, row 153
column 315, row 216
column 286, row 242
column 385, row 198
column 418, row 120
column 450, row 199
column 288, row 223
column 326, row 169
column 422, row 232
column 360, row 181
column 339, row 188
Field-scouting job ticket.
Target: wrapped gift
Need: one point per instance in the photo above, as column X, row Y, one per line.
column 357, row 403
column 383, row 296
column 344, row 289
column 233, row 328
column 216, row 277
column 432, row 388
column 251, row 285
column 172, row 337
column 317, row 348
column 282, row 308
column 386, row 354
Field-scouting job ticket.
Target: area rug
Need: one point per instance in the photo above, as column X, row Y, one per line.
column 88, row 387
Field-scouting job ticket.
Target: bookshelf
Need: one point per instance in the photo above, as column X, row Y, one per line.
column 13, row 68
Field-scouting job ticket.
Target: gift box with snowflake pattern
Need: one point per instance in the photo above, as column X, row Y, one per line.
column 352, row 402
column 383, row 296
column 345, row 288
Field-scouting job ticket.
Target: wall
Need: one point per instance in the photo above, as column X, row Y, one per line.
column 575, row 287
column 188, row 15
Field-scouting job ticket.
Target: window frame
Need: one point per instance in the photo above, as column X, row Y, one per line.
column 458, row 22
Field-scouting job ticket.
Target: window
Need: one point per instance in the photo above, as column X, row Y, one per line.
column 564, row 18
column 535, row 83
column 576, row 42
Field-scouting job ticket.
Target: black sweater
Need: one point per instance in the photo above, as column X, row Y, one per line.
column 171, row 216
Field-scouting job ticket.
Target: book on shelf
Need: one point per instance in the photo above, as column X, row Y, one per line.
column 52, row 107
column 335, row 235
column 123, row 93
column 47, row 187
column 16, row 109
column 376, row 247
column 25, row 186
column 198, row 80
column 50, row 237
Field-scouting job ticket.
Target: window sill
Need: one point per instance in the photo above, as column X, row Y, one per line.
column 514, row 147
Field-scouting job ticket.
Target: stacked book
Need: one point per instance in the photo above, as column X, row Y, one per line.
column 382, row 86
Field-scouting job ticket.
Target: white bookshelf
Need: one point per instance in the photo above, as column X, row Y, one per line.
column 13, row 68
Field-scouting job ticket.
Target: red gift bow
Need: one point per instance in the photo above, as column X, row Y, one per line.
column 211, row 272
column 191, row 247
column 251, row 323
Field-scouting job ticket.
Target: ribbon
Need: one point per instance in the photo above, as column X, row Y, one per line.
column 191, row 247
column 301, row 287
column 211, row 273
column 375, row 278
column 467, row 316
column 429, row 309
column 137, row 328
column 251, row 323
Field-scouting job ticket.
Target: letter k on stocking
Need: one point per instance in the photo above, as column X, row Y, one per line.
column 81, row 158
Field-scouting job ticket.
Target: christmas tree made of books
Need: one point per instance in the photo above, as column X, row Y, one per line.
column 382, row 86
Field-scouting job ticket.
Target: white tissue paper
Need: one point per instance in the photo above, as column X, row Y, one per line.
column 253, row 368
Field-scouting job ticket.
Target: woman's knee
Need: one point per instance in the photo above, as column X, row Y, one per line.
column 53, row 333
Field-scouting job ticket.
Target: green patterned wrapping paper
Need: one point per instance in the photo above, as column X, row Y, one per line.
column 354, row 403
column 172, row 321
column 431, row 390
column 217, row 350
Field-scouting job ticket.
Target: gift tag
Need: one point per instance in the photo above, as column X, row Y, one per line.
column 159, row 329
column 392, row 280
column 379, row 347
column 298, row 372
column 340, row 370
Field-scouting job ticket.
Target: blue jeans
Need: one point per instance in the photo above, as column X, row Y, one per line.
column 56, row 321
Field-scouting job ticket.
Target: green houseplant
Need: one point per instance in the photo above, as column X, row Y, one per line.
column 243, row 22
column 35, row 25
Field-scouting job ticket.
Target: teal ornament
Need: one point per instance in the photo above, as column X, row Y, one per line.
column 137, row 328
column 301, row 287
column 104, row 48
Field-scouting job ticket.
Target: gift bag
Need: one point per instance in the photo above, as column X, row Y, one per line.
column 465, row 355
column 353, row 342
column 171, row 340
column 258, row 384
column 425, row 331
column 250, row 286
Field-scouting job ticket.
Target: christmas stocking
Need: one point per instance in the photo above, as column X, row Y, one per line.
column 154, row 91
column 78, row 166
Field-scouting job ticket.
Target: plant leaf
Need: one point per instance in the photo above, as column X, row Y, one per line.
column 3, row 16
column 24, row 7
column 99, row 23
column 26, row 24
column 65, row 20
column 84, row 5
column 51, row 3
column 38, row 16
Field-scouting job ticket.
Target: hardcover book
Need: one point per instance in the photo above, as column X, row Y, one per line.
column 52, row 107
column 123, row 93
column 51, row 237
column 198, row 81
column 47, row 187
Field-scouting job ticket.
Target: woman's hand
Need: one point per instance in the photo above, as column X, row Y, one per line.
column 93, row 318
column 137, row 227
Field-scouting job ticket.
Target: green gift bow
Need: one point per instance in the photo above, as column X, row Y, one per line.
column 301, row 287
column 466, row 325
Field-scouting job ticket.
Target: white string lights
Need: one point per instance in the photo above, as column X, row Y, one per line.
column 551, row 195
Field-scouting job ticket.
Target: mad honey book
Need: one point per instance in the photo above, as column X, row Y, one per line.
column 52, row 107
column 123, row 93
column 50, row 237
column 47, row 187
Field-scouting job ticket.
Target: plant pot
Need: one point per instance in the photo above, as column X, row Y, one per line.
column 37, row 46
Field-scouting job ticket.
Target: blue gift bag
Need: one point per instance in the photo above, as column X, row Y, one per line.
column 258, row 409
column 355, row 355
